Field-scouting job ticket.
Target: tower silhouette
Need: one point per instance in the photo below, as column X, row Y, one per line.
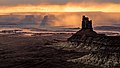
column 86, row 23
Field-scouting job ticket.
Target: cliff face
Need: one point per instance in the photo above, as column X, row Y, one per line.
column 104, row 50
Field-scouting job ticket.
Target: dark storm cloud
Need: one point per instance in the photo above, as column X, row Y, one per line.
column 18, row 2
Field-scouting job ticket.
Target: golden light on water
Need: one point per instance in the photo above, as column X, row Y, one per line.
column 70, row 7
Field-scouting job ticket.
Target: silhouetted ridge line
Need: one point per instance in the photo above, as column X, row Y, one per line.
column 88, row 34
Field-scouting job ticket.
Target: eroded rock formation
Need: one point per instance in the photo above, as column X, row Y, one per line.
column 104, row 50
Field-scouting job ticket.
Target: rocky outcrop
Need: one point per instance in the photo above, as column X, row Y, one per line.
column 98, row 59
column 88, row 36
column 104, row 50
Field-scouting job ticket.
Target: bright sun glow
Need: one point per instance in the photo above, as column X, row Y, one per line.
column 79, row 7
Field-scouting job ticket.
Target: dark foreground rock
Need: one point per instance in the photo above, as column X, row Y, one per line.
column 104, row 50
column 33, row 52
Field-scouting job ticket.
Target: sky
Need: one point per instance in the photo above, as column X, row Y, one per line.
column 19, row 2
column 9, row 6
column 104, row 6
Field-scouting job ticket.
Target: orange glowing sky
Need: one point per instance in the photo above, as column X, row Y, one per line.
column 67, row 19
column 69, row 7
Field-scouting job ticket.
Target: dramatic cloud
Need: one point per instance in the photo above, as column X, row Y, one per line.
column 69, row 7
column 18, row 2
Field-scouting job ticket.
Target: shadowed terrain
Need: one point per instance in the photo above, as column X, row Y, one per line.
column 34, row 52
